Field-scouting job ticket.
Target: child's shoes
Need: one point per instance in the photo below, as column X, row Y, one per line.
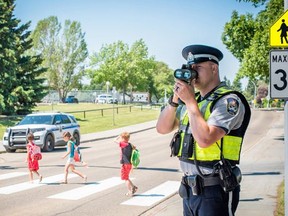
column 134, row 189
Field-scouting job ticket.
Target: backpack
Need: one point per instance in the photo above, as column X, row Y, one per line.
column 77, row 155
column 135, row 157
column 36, row 152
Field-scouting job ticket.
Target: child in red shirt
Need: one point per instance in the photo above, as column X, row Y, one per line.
column 126, row 151
column 33, row 164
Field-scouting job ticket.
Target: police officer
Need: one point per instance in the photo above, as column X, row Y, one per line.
column 210, row 124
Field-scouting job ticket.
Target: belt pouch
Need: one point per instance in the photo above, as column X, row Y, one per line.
column 184, row 190
column 175, row 144
column 187, row 149
column 195, row 183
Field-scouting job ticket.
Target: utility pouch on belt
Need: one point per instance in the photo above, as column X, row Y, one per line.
column 184, row 191
column 230, row 178
column 175, row 144
column 187, row 148
column 194, row 182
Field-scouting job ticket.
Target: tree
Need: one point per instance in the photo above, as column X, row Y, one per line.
column 125, row 68
column 238, row 33
column 162, row 81
column 64, row 54
column 21, row 87
column 237, row 85
column 227, row 81
column 248, row 39
column 255, row 63
column 255, row 2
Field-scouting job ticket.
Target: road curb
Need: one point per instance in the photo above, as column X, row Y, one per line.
column 91, row 137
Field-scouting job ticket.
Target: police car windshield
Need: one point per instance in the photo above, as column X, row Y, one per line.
column 45, row 119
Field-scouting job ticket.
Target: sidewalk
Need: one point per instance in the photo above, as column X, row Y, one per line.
column 115, row 132
column 110, row 133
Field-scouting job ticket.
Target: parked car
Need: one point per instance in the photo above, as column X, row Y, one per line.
column 48, row 129
column 105, row 98
column 71, row 99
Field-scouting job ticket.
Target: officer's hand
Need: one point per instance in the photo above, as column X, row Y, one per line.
column 184, row 90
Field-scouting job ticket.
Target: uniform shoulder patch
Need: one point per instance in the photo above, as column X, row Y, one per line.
column 232, row 106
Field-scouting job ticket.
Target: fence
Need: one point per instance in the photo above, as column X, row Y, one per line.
column 102, row 110
column 142, row 107
column 89, row 96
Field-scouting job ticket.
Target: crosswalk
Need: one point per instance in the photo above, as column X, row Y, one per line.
column 147, row 198
column 87, row 190
column 27, row 185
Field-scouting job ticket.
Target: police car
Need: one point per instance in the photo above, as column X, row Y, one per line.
column 48, row 129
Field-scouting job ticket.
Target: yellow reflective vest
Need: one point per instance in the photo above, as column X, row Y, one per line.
column 229, row 146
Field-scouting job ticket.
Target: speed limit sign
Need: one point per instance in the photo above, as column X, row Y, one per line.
column 279, row 74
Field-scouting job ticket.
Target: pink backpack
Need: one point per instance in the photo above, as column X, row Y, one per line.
column 35, row 152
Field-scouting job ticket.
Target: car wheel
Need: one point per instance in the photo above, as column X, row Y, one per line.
column 9, row 150
column 75, row 100
column 76, row 138
column 49, row 144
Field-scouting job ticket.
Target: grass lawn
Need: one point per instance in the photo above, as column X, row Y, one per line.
column 101, row 119
column 280, row 208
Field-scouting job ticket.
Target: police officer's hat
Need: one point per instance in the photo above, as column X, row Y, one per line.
column 201, row 53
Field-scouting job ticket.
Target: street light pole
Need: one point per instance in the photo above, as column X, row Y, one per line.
column 255, row 89
column 113, row 102
column 107, row 84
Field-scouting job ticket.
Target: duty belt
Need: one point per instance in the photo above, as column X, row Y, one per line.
column 207, row 181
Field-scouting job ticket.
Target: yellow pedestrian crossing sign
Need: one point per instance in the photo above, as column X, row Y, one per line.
column 279, row 32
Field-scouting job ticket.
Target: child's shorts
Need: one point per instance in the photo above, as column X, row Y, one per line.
column 70, row 161
column 125, row 171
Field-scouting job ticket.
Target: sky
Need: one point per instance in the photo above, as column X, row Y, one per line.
column 166, row 26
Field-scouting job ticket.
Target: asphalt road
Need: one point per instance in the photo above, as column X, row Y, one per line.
column 262, row 164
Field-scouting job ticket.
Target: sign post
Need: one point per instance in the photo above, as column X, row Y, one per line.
column 279, row 89
column 279, row 78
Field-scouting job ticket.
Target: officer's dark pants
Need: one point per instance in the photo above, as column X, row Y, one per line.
column 212, row 202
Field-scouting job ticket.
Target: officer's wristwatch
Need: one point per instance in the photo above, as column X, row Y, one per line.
column 171, row 103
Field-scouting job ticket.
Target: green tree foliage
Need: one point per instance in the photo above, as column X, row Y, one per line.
column 227, row 81
column 238, row 33
column 64, row 52
column 162, row 81
column 21, row 87
column 237, row 85
column 255, row 2
column 248, row 39
column 125, row 68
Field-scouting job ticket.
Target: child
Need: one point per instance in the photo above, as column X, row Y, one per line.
column 33, row 164
column 70, row 161
column 126, row 151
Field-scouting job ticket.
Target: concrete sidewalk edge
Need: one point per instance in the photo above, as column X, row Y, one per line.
column 85, row 138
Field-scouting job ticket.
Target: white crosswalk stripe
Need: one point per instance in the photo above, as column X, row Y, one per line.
column 154, row 195
column 84, row 191
column 12, row 175
column 27, row 185
column 147, row 198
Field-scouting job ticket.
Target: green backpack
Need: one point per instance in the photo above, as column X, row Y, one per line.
column 135, row 158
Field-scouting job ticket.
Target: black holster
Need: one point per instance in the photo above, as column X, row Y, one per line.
column 230, row 177
column 175, row 144
column 194, row 182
